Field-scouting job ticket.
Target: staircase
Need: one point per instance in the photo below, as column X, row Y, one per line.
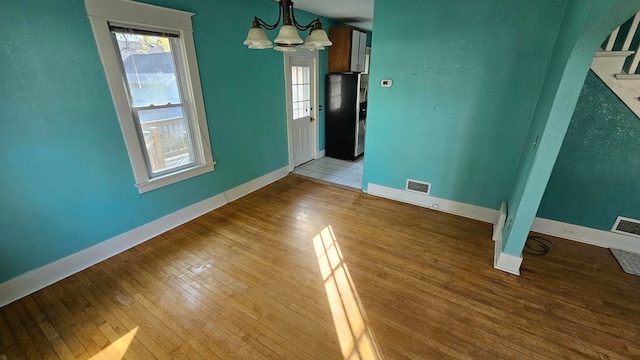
column 616, row 63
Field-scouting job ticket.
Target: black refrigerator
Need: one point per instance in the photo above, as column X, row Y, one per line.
column 346, row 113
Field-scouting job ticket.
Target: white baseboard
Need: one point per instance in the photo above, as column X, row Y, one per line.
column 503, row 261
column 255, row 184
column 448, row 206
column 37, row 279
column 586, row 235
column 320, row 154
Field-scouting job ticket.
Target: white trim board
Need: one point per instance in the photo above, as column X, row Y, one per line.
column 37, row 279
column 503, row 261
column 499, row 224
column 432, row 202
column 255, row 184
column 606, row 239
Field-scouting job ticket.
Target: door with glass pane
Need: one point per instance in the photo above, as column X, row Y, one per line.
column 301, row 82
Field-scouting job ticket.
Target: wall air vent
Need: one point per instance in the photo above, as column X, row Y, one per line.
column 418, row 186
column 627, row 226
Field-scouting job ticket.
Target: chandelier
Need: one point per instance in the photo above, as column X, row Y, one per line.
column 288, row 39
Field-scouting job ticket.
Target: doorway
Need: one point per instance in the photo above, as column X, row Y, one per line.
column 301, row 80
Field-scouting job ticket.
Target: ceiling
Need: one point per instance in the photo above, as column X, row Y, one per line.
column 358, row 13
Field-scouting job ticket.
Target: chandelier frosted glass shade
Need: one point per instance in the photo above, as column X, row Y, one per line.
column 318, row 38
column 309, row 46
column 257, row 39
column 288, row 35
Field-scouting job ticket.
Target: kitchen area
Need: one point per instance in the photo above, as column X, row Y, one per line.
column 346, row 95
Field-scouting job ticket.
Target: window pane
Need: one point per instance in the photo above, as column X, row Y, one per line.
column 149, row 68
column 166, row 138
column 300, row 91
column 300, row 75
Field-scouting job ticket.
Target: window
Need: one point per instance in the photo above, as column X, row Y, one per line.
column 300, row 93
column 149, row 58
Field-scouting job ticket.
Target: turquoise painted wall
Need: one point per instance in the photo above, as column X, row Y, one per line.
column 596, row 176
column 586, row 23
column 67, row 183
column 465, row 85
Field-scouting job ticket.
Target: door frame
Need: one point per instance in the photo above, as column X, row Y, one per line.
column 315, row 133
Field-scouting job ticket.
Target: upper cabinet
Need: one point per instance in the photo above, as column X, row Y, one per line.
column 348, row 52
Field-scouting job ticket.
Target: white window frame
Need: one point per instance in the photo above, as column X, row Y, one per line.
column 100, row 13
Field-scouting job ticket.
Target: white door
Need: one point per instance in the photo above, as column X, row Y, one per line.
column 301, row 99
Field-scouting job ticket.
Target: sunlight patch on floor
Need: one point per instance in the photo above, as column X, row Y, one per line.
column 356, row 338
column 118, row 348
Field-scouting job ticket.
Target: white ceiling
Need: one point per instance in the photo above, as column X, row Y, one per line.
column 358, row 13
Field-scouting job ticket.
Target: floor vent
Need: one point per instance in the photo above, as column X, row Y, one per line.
column 627, row 226
column 418, row 186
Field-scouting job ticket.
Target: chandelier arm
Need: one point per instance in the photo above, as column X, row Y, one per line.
column 307, row 27
column 264, row 24
column 312, row 24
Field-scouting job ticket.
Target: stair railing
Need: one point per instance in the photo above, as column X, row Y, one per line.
column 630, row 67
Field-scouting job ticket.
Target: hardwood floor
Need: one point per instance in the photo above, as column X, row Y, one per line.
column 303, row 270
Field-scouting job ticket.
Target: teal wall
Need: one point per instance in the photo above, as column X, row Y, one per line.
column 474, row 90
column 585, row 24
column 466, row 79
column 67, row 182
column 596, row 176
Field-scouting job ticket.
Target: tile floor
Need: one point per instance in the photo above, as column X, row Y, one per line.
column 347, row 173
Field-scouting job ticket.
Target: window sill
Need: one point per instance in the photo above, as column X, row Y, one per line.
column 173, row 178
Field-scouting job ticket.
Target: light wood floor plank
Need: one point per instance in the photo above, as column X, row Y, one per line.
column 304, row 270
column 77, row 341
column 32, row 341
